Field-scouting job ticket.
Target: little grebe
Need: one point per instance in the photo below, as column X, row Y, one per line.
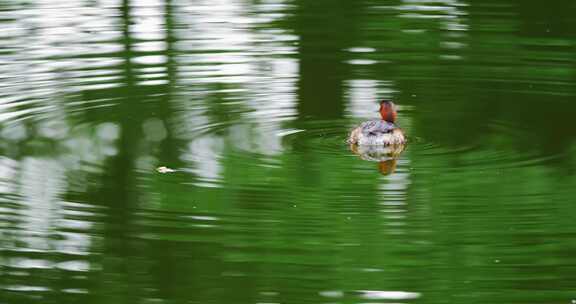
column 379, row 132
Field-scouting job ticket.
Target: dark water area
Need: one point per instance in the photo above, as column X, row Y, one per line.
column 250, row 103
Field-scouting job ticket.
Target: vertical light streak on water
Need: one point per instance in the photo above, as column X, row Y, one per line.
column 58, row 49
column 451, row 16
column 238, row 76
column 449, row 12
column 364, row 95
column 150, row 47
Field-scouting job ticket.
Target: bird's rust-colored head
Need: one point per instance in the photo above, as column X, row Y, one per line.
column 388, row 111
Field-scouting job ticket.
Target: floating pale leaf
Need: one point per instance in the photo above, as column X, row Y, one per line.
column 164, row 170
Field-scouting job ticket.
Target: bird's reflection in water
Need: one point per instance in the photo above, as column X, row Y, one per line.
column 386, row 156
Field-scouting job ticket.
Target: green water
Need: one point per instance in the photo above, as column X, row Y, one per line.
column 250, row 102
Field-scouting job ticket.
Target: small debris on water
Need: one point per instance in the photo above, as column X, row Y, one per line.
column 332, row 293
column 269, row 293
column 164, row 170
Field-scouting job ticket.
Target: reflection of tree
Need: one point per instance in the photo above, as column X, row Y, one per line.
column 490, row 70
column 117, row 189
column 326, row 30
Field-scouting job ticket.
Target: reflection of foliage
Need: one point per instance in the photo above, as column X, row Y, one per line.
column 220, row 106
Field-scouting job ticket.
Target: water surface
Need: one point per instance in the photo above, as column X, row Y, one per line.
column 250, row 103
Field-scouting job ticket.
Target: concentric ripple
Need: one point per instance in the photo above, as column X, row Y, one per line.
column 323, row 136
column 489, row 155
